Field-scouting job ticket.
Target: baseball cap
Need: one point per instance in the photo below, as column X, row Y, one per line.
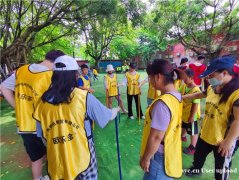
column 217, row 64
column 65, row 63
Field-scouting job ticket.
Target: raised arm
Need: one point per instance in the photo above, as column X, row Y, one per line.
column 199, row 95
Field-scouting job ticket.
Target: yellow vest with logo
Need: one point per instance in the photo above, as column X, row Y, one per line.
column 85, row 82
column 28, row 89
column 172, row 138
column 216, row 117
column 63, row 128
column 153, row 93
column 133, row 84
column 187, row 104
column 112, row 85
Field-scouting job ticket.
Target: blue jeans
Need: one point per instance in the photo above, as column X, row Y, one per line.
column 156, row 168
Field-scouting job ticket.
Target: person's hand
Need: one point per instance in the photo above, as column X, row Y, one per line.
column 91, row 90
column 119, row 85
column 118, row 109
column 225, row 147
column 144, row 164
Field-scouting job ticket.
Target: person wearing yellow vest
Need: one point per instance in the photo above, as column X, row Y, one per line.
column 132, row 80
column 111, row 86
column 84, row 80
column 161, row 150
column 64, row 112
column 28, row 83
column 220, row 128
column 191, row 112
column 95, row 74
column 152, row 92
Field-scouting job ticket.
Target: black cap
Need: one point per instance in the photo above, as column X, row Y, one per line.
column 200, row 57
column 132, row 65
column 83, row 66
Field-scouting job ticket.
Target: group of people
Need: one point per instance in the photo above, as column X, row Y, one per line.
column 55, row 107
column 177, row 106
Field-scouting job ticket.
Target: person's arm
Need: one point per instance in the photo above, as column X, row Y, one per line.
column 193, row 112
column 7, row 88
column 161, row 116
column 144, row 82
column 8, row 95
column 233, row 133
column 105, row 83
column 198, row 95
column 98, row 112
column 123, row 83
column 154, row 140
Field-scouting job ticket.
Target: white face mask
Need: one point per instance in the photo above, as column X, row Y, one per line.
column 215, row 82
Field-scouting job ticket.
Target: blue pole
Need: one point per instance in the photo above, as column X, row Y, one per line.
column 117, row 138
column 117, row 142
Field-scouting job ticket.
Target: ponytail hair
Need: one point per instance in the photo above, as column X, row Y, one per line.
column 165, row 68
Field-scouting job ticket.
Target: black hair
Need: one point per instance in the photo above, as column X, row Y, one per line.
column 189, row 72
column 230, row 87
column 53, row 54
column 163, row 67
column 184, row 60
column 83, row 66
column 62, row 85
column 200, row 57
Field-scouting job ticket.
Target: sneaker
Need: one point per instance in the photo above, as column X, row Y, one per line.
column 125, row 111
column 193, row 172
column 46, row 177
column 184, row 138
column 142, row 117
column 189, row 150
column 131, row 117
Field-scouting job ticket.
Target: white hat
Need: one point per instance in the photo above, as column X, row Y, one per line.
column 109, row 68
column 66, row 63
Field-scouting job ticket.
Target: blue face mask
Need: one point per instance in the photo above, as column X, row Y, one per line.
column 214, row 82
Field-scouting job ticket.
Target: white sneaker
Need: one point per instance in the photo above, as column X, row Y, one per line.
column 131, row 117
column 125, row 111
column 46, row 177
column 142, row 117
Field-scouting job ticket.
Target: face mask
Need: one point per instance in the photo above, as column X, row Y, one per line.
column 214, row 82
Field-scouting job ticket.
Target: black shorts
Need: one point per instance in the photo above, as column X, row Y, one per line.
column 34, row 146
column 191, row 128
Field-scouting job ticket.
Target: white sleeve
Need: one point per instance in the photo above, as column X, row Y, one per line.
column 10, row 82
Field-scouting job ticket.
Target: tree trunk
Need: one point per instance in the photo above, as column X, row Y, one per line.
column 97, row 62
column 15, row 55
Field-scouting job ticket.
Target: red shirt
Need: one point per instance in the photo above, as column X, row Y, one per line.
column 198, row 69
column 236, row 68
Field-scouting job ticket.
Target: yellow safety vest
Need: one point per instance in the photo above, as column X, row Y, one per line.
column 216, row 117
column 187, row 104
column 95, row 72
column 153, row 93
column 85, row 82
column 112, row 85
column 172, row 138
column 28, row 89
column 177, row 84
column 63, row 128
column 133, row 84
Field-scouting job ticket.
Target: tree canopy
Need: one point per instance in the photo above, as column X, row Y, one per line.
column 114, row 28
